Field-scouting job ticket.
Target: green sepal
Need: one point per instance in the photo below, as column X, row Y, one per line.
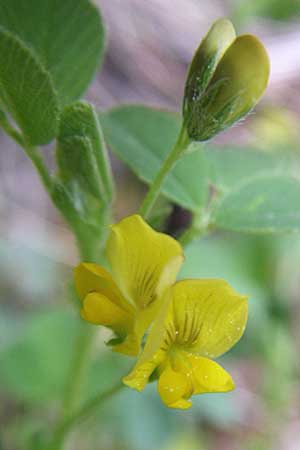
column 76, row 163
column 83, row 189
column 81, row 151
column 86, row 215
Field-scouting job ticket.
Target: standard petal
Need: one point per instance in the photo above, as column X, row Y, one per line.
column 209, row 316
column 173, row 387
column 143, row 262
column 90, row 277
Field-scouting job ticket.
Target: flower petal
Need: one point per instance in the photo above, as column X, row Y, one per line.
column 100, row 310
column 244, row 73
column 210, row 376
column 204, row 63
column 90, row 277
column 155, row 350
column 209, row 316
column 173, row 387
column 144, row 262
column 205, row 374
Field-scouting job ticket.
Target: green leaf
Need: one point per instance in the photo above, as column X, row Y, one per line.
column 142, row 137
column 229, row 166
column 270, row 9
column 26, row 90
column 263, row 204
column 67, row 35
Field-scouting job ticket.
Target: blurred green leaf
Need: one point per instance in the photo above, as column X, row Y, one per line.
column 222, row 410
column 26, row 90
column 9, row 328
column 279, row 360
column 274, row 9
column 67, row 36
column 265, row 204
column 141, row 420
column 39, row 261
column 229, row 166
column 34, row 367
column 142, row 137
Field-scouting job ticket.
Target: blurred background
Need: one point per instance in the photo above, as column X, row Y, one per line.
column 150, row 44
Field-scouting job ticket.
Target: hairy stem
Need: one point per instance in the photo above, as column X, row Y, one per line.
column 32, row 152
column 35, row 156
column 197, row 229
column 170, row 161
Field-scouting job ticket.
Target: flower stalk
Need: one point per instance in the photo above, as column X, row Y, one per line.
column 154, row 191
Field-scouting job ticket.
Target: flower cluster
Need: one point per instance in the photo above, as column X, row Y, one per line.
column 190, row 321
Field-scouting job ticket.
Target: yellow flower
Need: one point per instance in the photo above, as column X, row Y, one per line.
column 199, row 320
column 144, row 264
column 196, row 320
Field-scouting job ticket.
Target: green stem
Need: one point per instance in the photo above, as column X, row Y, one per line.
column 91, row 242
column 79, row 364
column 88, row 246
column 10, row 130
column 35, row 156
column 78, row 369
column 33, row 153
column 198, row 228
column 188, row 236
column 170, row 161
column 83, row 413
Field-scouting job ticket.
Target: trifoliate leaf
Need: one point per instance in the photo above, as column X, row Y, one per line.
column 26, row 90
column 67, row 36
column 265, row 204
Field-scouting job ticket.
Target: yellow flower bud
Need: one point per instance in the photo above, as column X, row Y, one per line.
column 226, row 79
column 205, row 60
